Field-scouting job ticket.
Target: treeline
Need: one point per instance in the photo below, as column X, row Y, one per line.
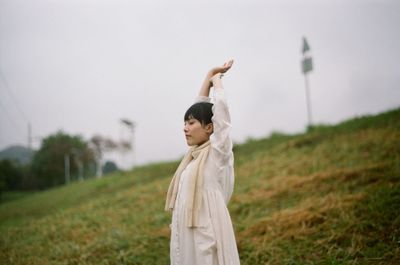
column 62, row 158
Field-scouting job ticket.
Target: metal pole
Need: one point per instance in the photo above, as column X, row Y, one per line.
column 80, row 170
column 308, row 100
column 99, row 170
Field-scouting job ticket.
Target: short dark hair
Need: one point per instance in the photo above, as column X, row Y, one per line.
column 201, row 111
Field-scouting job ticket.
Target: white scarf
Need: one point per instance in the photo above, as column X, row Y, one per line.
column 193, row 202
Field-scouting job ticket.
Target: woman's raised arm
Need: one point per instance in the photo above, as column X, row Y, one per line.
column 209, row 80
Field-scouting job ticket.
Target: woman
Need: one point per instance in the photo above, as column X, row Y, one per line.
column 201, row 228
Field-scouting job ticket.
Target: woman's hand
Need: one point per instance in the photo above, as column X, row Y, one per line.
column 213, row 78
column 221, row 69
column 218, row 72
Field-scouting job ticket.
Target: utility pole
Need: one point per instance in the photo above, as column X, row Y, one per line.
column 306, row 67
column 78, row 160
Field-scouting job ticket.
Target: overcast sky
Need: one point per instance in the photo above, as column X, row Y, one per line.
column 81, row 66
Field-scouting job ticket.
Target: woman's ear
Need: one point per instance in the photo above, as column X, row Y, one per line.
column 209, row 128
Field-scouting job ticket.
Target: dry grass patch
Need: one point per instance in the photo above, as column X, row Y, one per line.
column 302, row 220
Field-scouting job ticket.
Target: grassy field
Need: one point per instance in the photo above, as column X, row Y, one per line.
column 328, row 196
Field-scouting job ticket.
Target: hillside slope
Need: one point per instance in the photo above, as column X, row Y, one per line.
column 17, row 153
column 328, row 196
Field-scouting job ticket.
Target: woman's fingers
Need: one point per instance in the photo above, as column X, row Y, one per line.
column 228, row 64
column 222, row 69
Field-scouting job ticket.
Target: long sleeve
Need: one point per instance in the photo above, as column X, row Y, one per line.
column 221, row 143
column 220, row 139
column 202, row 99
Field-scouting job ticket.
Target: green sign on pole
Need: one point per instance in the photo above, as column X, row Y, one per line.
column 306, row 47
column 307, row 65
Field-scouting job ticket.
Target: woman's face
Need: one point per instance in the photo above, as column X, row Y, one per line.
column 196, row 133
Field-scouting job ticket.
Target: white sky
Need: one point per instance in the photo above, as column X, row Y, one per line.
column 81, row 66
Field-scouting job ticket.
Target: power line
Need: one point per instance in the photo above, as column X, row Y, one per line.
column 6, row 138
column 10, row 118
column 18, row 106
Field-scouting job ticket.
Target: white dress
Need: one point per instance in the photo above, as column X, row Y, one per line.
column 213, row 242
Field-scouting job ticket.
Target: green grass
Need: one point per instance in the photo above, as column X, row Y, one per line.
column 327, row 196
column 14, row 195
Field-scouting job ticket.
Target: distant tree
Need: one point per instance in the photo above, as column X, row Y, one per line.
column 100, row 145
column 10, row 173
column 3, row 187
column 10, row 176
column 48, row 163
column 109, row 167
column 29, row 181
